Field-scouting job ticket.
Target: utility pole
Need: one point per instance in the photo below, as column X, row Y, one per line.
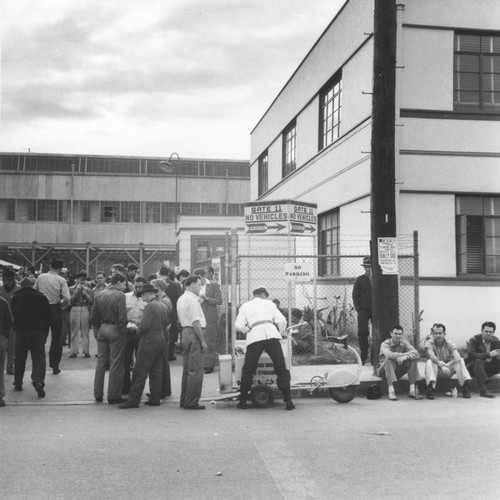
column 385, row 302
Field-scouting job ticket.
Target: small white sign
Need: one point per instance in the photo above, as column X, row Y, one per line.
column 388, row 255
column 298, row 271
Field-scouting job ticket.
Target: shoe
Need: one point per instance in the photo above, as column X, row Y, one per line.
column 56, row 371
column 430, row 392
column 18, row 388
column 65, row 343
column 116, row 401
column 72, row 355
column 172, row 358
column 289, row 405
column 414, row 395
column 98, row 399
column 392, row 396
column 242, row 405
column 484, row 393
column 2, row 403
column 127, row 405
column 87, row 355
column 39, row 390
column 208, row 371
column 197, row 407
column 10, row 372
column 466, row 391
column 152, row 403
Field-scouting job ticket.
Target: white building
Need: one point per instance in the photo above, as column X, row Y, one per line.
column 313, row 142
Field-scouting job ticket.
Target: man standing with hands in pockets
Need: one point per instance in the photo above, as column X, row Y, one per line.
column 193, row 343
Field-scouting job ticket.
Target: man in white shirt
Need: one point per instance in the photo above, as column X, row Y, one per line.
column 193, row 322
column 263, row 324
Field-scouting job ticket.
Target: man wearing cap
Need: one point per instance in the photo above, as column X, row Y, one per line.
column 31, row 311
column 81, row 301
column 151, row 350
column 55, row 288
column 7, row 291
column 362, row 299
column 109, row 315
column 210, row 297
column 5, row 330
column 193, row 323
column 263, row 325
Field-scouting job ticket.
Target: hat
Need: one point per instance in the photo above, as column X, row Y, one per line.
column 9, row 272
column 367, row 262
column 199, row 272
column 259, row 291
column 27, row 282
column 147, row 288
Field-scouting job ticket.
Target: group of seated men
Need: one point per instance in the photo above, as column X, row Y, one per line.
column 443, row 360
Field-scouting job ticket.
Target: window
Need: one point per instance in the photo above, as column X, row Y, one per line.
column 190, row 208
column 263, row 169
column 289, row 149
column 210, row 209
column 151, row 212
column 328, row 243
column 329, row 111
column 169, row 212
column 477, row 72
column 83, row 211
column 110, row 211
column 8, row 209
column 478, row 234
column 130, row 211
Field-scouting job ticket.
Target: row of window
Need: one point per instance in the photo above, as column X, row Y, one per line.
column 476, row 88
column 125, row 166
column 149, row 212
column 477, row 234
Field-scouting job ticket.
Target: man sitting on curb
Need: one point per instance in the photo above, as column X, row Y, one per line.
column 444, row 360
column 483, row 360
column 398, row 357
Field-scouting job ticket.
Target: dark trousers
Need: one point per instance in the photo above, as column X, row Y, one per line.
column 483, row 370
column 364, row 317
column 33, row 341
column 55, row 351
column 128, row 361
column 174, row 336
column 150, row 354
column 252, row 355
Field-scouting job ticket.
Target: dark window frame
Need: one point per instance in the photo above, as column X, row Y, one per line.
column 330, row 111
column 289, row 158
column 263, row 173
column 328, row 240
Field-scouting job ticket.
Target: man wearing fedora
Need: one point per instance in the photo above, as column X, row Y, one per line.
column 151, row 350
column 263, row 324
column 362, row 299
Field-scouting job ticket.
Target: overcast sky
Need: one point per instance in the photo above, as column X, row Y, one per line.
column 148, row 77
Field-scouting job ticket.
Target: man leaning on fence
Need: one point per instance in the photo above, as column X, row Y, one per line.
column 362, row 299
column 262, row 323
column 398, row 357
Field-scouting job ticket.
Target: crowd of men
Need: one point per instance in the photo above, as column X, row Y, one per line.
column 138, row 321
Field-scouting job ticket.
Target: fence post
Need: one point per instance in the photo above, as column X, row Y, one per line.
column 233, row 255
column 416, row 291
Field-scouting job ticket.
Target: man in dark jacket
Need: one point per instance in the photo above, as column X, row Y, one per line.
column 5, row 328
column 7, row 291
column 362, row 299
column 31, row 311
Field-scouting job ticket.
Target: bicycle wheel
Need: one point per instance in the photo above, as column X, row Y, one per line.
column 343, row 394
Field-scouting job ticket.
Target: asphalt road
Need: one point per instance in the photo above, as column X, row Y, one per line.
column 447, row 448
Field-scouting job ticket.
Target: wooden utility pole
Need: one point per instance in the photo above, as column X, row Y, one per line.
column 385, row 306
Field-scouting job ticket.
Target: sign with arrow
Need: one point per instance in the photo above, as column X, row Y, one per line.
column 284, row 217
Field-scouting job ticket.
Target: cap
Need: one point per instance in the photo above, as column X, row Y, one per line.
column 367, row 262
column 259, row 291
column 147, row 288
column 25, row 282
column 199, row 272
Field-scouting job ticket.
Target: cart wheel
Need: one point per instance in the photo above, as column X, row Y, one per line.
column 343, row 394
column 261, row 396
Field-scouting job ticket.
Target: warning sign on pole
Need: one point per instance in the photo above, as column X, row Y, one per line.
column 388, row 255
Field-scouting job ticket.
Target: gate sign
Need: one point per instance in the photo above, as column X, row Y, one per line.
column 285, row 217
column 388, row 255
column 298, row 271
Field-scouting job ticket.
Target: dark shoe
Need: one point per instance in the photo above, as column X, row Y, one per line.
column 116, row 401
column 466, row 391
column 484, row 393
column 152, row 403
column 56, row 371
column 87, row 355
column 127, row 405
column 72, row 355
column 18, row 388
column 172, row 358
column 289, row 405
column 197, row 407
column 430, row 392
column 10, row 372
column 242, row 405
column 98, row 399
column 2, row 403
column 39, row 390
column 208, row 371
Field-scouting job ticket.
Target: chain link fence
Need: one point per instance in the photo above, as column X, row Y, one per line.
column 319, row 307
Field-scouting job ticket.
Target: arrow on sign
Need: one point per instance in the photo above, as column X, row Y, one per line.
column 263, row 227
column 299, row 227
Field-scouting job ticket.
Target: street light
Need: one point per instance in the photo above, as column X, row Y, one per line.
column 170, row 168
